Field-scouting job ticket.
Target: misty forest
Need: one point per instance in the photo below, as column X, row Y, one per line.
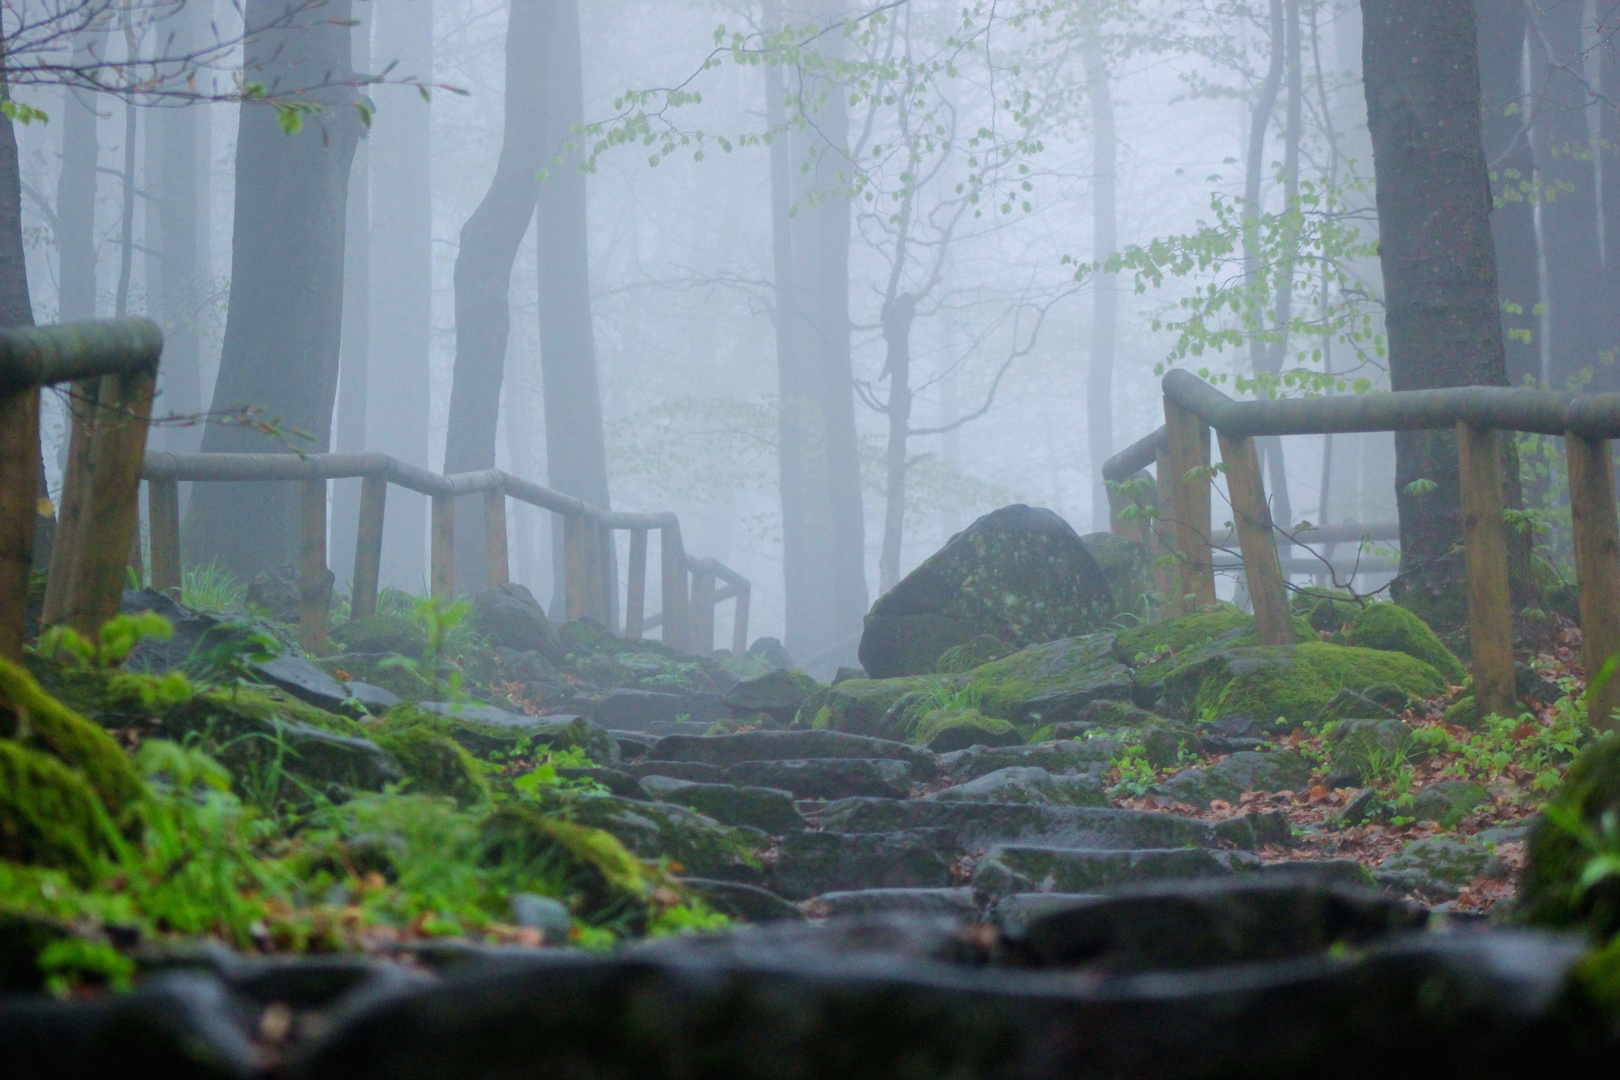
column 806, row 538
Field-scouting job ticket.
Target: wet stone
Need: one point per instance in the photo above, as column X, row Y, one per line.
column 956, row 903
column 978, row 825
column 827, row 778
column 1016, row 869
column 788, row 746
column 812, row 863
column 770, row 809
column 1029, row 785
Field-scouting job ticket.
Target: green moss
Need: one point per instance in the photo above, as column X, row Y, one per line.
column 1050, row 683
column 702, row 846
column 1462, row 712
column 389, row 671
column 1563, row 842
column 599, row 875
column 1187, row 632
column 434, row 764
column 969, row 655
column 1296, row 682
column 382, row 634
column 49, row 815
column 1392, row 628
column 37, row 720
column 1323, row 609
column 858, row 706
column 944, row 730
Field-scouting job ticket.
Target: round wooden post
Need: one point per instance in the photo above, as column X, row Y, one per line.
column 739, row 620
column 82, row 414
column 368, row 547
column 111, row 504
column 1597, row 569
column 1252, row 518
column 1490, row 611
column 701, row 619
column 163, row 528
column 313, row 595
column 497, row 568
column 443, row 553
column 19, row 496
column 1187, row 443
column 635, row 601
column 1166, row 577
column 606, row 574
column 577, row 559
column 672, row 558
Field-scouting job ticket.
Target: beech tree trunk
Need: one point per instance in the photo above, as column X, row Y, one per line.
column 576, row 448
column 483, row 276
column 280, row 353
column 1421, row 72
column 401, row 267
column 1104, row 287
column 76, row 192
column 354, row 353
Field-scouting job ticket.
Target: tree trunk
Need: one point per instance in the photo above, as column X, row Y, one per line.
column 1260, row 358
column 173, row 162
column 1501, row 26
column 1104, row 287
column 354, row 353
column 76, row 192
column 898, row 316
column 483, row 276
column 401, row 328
column 576, row 449
column 823, row 524
column 1421, row 73
column 1563, row 153
column 280, row 353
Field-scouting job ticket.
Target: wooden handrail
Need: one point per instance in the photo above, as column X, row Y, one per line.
column 114, row 366
column 587, row 543
column 1587, row 423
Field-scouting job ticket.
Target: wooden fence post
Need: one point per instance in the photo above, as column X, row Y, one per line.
column 635, row 601
column 368, row 547
column 1262, row 570
column 607, row 558
column 1166, row 577
column 1187, row 440
column 82, row 417
column 1490, row 611
column 111, row 503
column 313, row 592
column 443, row 556
column 739, row 621
column 577, row 583
column 701, row 620
column 1597, row 567
column 497, row 569
column 672, row 558
column 19, row 498
column 163, row 528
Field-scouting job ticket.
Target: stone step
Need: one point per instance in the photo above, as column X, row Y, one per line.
column 770, row 809
column 978, row 824
column 1029, row 784
column 1009, row 869
column 957, row 903
column 813, row 863
column 827, row 778
column 788, row 746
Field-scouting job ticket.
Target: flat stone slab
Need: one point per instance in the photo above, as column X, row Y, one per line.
column 789, row 745
column 827, row 778
column 1016, row 913
column 696, row 771
column 1063, row 756
column 770, row 809
column 639, row 710
column 1023, row 784
column 812, row 863
column 747, row 902
column 956, row 903
column 1010, row 869
column 981, row 824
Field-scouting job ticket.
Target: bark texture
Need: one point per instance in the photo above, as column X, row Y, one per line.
column 280, row 353
column 1421, row 72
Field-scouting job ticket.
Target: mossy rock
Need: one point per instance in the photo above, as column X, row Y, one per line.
column 1551, row 892
column 1325, row 610
column 467, row 726
column 1447, row 802
column 777, row 693
column 433, row 763
column 1157, row 650
column 859, row 706
column 945, row 730
column 391, row 671
column 1462, row 712
column 1291, row 683
column 969, row 655
column 50, row 815
column 599, row 879
column 23, row 936
column 1362, row 746
column 382, row 634
column 700, row 845
column 1392, row 628
column 1128, row 569
column 36, row 719
column 1050, row 683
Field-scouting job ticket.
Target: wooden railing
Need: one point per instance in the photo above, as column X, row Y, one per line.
column 1180, row 452
column 688, row 585
column 113, row 366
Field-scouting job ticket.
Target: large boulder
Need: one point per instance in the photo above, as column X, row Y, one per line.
column 1052, row 682
column 1019, row 574
column 509, row 615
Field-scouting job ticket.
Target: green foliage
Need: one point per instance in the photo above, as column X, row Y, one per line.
column 1136, row 775
column 1542, row 749
column 211, row 587
column 34, row 719
column 1392, row 628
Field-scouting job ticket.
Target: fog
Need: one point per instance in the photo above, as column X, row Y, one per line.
column 683, row 270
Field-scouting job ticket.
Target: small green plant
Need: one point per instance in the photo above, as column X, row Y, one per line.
column 544, row 774
column 211, row 587
column 1602, row 844
column 1136, row 775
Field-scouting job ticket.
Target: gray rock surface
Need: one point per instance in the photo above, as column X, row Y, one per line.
column 508, row 615
column 827, row 778
column 1029, row 785
column 770, row 809
column 1228, row 779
